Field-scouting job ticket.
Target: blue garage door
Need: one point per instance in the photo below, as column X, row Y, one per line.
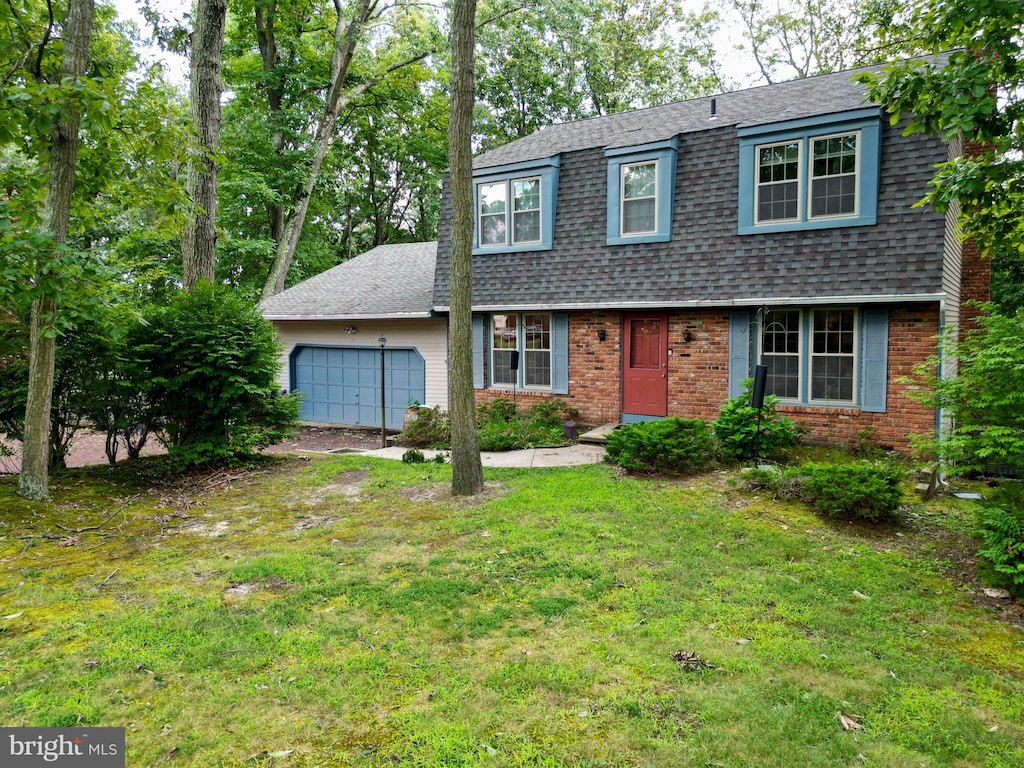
column 341, row 385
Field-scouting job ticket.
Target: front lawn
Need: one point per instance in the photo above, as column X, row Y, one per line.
column 348, row 611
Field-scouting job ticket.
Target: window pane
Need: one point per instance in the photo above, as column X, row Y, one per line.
column 780, row 339
column 832, row 378
column 783, row 378
column 504, row 339
column 538, row 369
column 778, row 186
column 527, row 195
column 527, row 227
column 638, row 216
column 834, row 176
column 491, row 205
column 638, row 180
column 537, row 330
column 502, row 373
column 832, row 364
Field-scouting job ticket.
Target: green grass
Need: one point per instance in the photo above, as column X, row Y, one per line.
column 349, row 612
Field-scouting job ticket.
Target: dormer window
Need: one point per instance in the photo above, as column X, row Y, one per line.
column 515, row 206
column 641, row 187
column 808, row 174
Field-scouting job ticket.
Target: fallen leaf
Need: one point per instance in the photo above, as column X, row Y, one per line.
column 850, row 722
column 282, row 753
column 860, row 595
column 11, row 616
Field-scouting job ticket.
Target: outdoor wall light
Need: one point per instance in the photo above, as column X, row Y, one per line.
column 350, row 329
column 382, row 341
column 602, row 334
column 687, row 336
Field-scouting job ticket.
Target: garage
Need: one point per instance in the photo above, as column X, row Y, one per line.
column 341, row 385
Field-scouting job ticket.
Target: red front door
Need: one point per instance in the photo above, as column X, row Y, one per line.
column 645, row 365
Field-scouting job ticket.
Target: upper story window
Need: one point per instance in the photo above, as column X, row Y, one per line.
column 641, row 189
column 639, row 198
column 515, row 206
column 810, row 174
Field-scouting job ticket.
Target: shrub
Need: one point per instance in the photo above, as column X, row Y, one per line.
column 984, row 399
column 1001, row 528
column 504, row 427
column 670, row 446
column 430, row 429
column 210, row 363
column 413, row 456
column 865, row 490
column 741, row 437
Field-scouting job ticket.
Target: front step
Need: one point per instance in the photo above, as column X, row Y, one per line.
column 599, row 435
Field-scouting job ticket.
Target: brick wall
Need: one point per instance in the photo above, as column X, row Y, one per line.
column 699, row 371
column 975, row 270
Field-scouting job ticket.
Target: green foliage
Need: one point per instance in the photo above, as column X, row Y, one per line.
column 864, row 490
column 430, row 429
column 413, row 456
column 670, row 446
column 976, row 94
column 741, row 436
column 985, row 398
column 503, row 427
column 1002, row 535
column 211, row 363
column 1001, row 528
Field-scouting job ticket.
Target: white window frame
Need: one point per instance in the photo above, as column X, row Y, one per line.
column 521, row 348
column 510, row 212
column 480, row 215
column 799, row 354
column 811, row 177
column 811, row 355
column 622, row 198
column 806, row 354
column 539, row 209
column 758, row 184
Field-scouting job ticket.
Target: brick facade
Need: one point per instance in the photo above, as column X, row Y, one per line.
column 698, row 376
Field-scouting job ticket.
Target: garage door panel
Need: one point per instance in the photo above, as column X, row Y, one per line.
column 341, row 385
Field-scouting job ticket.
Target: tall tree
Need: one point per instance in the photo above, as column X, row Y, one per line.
column 557, row 60
column 800, row 38
column 33, row 482
column 467, row 471
column 199, row 241
column 976, row 93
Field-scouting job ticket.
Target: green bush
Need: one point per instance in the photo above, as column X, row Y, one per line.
column 864, row 490
column 430, row 429
column 413, row 456
column 210, row 363
column 504, row 427
column 1001, row 528
column 741, row 437
column 670, row 446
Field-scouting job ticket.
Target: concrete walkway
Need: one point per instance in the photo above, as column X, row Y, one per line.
column 570, row 456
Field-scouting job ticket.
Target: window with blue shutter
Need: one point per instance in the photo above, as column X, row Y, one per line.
column 823, row 356
column 523, row 350
column 641, row 191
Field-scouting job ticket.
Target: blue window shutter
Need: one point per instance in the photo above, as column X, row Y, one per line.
column 478, row 351
column 739, row 350
column 874, row 359
column 560, row 354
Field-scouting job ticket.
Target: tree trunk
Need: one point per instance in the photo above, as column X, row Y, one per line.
column 200, row 238
column 467, row 472
column 33, row 482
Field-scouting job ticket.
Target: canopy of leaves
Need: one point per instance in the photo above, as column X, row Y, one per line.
column 977, row 93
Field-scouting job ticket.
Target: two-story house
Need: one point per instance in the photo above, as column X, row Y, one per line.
column 639, row 265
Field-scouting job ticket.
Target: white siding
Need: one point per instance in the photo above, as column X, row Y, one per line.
column 427, row 335
column 953, row 253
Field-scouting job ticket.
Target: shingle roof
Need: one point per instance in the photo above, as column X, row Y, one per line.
column 388, row 281
column 706, row 260
column 809, row 97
